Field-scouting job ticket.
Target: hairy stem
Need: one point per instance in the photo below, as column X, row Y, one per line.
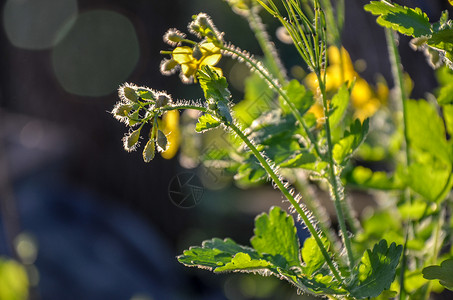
column 266, row 45
column 281, row 186
column 334, row 178
column 280, row 91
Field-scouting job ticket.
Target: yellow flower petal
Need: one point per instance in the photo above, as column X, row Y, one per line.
column 183, row 55
column 361, row 93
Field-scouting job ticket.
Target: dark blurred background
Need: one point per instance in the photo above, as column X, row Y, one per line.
column 95, row 221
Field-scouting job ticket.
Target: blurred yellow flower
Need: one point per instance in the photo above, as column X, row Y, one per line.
column 364, row 99
column 192, row 59
column 170, row 127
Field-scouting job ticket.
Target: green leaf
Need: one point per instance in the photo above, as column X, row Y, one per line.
column 376, row 270
column 312, row 256
column 351, row 141
column 448, row 116
column 206, row 122
column 339, row 104
column 214, row 253
column 408, row 21
column 444, row 273
column 214, row 86
column 446, row 95
column 299, row 97
column 425, row 128
column 273, row 127
column 258, row 99
column 250, row 172
column 366, row 178
column 431, row 180
column 276, row 236
column 243, row 261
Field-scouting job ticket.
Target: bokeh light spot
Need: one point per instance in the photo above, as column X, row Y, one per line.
column 34, row 24
column 99, row 52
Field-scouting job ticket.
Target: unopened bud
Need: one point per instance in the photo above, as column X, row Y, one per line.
column 130, row 94
column 162, row 100
column 197, row 53
column 131, row 140
column 149, row 151
column 122, row 110
column 161, row 141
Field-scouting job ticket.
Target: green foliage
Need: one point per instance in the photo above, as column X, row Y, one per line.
column 351, row 141
column 443, row 273
column 270, row 136
column 431, row 167
column 275, row 235
column 339, row 105
column 406, row 20
column 206, row 122
column 414, row 22
column 300, row 97
column 312, row 257
column 375, row 271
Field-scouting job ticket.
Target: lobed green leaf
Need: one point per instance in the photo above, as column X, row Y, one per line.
column 444, row 273
column 206, row 122
column 408, row 21
column 276, row 236
column 351, row 141
column 376, row 270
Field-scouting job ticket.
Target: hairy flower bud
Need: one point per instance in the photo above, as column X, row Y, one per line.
column 128, row 92
column 130, row 141
column 162, row 100
column 161, row 141
column 173, row 37
column 149, row 151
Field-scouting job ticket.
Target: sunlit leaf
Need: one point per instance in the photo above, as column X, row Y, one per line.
column 214, row 253
column 276, row 235
column 299, row 97
column 339, row 104
column 312, row 256
column 206, row 122
column 376, row 270
column 351, row 141
column 243, row 261
column 408, row 21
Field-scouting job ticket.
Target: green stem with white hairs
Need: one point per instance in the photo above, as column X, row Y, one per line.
column 263, row 72
column 276, row 179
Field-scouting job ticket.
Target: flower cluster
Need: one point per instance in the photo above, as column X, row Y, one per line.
column 139, row 106
column 190, row 57
column 364, row 99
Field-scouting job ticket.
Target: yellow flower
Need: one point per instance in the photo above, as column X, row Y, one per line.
column 318, row 111
column 364, row 99
column 170, row 127
column 184, row 56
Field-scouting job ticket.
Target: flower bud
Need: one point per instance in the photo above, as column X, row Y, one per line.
column 173, row 37
column 162, row 100
column 197, row 53
column 130, row 141
column 149, row 151
column 130, row 94
column 161, row 141
column 122, row 110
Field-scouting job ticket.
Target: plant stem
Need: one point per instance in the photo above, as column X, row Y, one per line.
column 399, row 84
column 291, row 199
column 280, row 91
column 266, row 45
column 334, row 180
column 397, row 72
